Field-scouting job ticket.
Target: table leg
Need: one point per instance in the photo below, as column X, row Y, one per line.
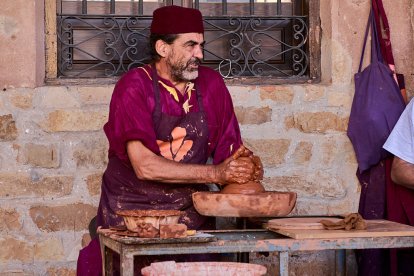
column 127, row 264
column 284, row 263
column 340, row 262
column 243, row 257
column 103, row 255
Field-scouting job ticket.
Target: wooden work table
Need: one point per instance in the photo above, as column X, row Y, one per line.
column 255, row 240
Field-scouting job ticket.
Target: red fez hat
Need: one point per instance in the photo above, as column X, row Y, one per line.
column 176, row 20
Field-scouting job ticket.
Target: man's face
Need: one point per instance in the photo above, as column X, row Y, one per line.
column 185, row 56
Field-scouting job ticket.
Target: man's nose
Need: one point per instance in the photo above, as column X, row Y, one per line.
column 198, row 52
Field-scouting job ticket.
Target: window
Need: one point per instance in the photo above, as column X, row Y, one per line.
column 244, row 38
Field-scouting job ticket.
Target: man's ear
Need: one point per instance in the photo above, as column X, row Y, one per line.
column 162, row 48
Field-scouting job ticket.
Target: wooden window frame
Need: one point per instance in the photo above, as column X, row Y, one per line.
column 314, row 53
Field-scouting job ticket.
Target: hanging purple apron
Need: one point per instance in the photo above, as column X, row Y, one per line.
column 122, row 190
column 376, row 107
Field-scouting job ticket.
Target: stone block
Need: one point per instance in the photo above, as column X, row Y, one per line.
column 253, row 115
column 331, row 207
column 91, row 154
column 95, row 94
column 279, row 94
column 74, row 120
column 71, row 217
column 61, row 271
column 38, row 155
column 10, row 220
column 341, row 63
column 289, row 122
column 86, row 239
column 15, row 250
column 15, row 185
column 340, row 100
column 22, row 100
column 8, row 130
column 349, row 152
column 309, row 185
column 302, row 153
column 94, row 182
column 271, row 151
column 329, row 151
column 56, row 97
column 49, row 250
column 314, row 92
column 320, row 122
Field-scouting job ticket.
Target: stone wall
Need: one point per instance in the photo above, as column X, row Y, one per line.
column 53, row 150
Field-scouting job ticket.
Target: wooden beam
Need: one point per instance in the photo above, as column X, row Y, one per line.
column 50, row 39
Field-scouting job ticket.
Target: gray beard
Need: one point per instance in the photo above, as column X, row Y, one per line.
column 181, row 73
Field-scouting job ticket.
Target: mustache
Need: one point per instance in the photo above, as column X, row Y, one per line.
column 194, row 61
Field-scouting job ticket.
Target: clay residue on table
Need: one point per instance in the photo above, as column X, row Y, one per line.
column 149, row 213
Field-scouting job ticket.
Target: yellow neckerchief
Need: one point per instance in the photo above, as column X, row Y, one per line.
column 188, row 89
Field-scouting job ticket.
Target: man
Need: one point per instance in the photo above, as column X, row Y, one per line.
column 400, row 196
column 166, row 120
column 401, row 144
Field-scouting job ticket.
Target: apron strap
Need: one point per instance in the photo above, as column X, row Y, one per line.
column 156, row 115
column 199, row 97
column 375, row 47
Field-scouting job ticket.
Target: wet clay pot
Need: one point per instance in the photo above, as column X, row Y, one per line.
column 265, row 204
column 251, row 187
column 147, row 222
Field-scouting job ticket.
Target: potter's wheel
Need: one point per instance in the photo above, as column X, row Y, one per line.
column 266, row 204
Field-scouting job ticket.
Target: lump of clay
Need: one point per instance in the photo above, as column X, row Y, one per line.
column 251, row 187
column 146, row 230
column 178, row 230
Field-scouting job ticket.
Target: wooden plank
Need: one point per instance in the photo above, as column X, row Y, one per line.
column 315, row 41
column 299, row 223
column 375, row 228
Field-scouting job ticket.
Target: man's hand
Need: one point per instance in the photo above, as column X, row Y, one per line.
column 258, row 169
column 242, row 152
column 240, row 168
column 402, row 172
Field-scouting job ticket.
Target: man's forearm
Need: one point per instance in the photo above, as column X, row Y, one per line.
column 402, row 172
column 149, row 166
column 160, row 169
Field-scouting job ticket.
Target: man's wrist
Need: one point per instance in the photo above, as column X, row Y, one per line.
column 216, row 175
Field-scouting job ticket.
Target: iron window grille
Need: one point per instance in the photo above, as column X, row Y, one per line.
column 244, row 38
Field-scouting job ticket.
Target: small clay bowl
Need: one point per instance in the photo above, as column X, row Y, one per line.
column 267, row 204
column 147, row 222
column 203, row 269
